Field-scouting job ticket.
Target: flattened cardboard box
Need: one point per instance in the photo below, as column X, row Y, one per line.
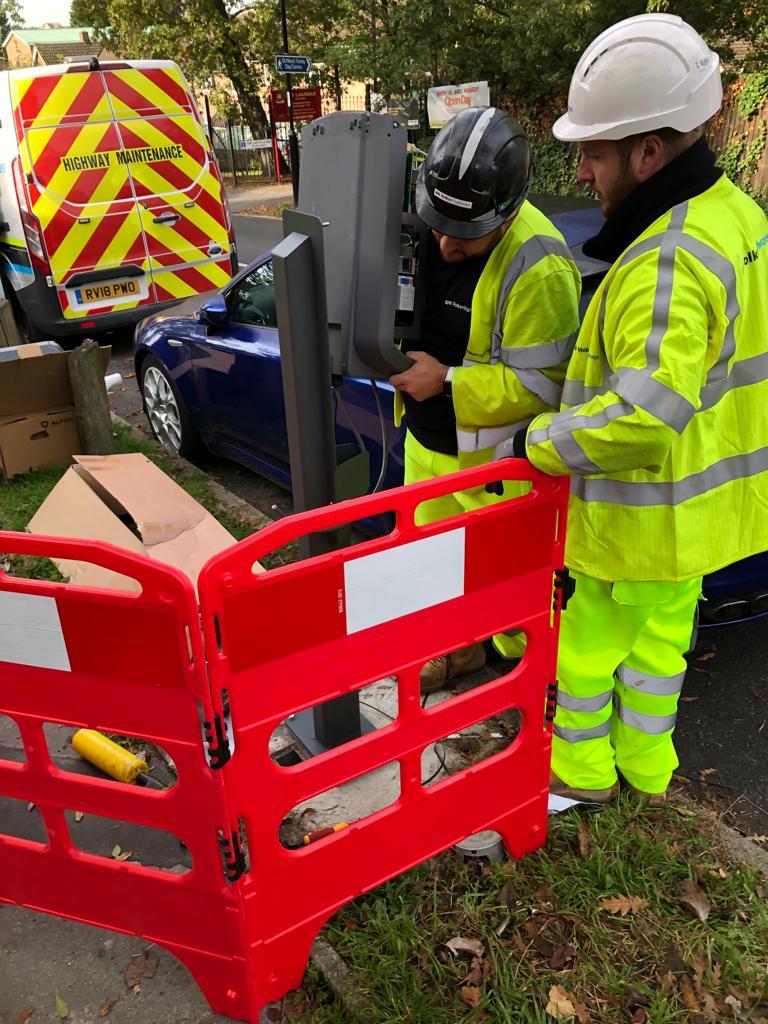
column 38, row 427
column 127, row 501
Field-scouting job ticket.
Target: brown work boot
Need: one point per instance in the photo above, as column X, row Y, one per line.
column 589, row 796
column 650, row 799
column 437, row 671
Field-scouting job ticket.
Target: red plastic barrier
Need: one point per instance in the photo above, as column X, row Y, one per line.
column 299, row 635
column 276, row 642
column 131, row 664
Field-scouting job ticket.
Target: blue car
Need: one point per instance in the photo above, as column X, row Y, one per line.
column 209, row 373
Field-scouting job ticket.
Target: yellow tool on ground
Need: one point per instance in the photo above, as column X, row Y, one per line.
column 321, row 833
column 113, row 759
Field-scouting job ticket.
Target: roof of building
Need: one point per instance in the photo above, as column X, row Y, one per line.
column 57, row 53
column 51, row 35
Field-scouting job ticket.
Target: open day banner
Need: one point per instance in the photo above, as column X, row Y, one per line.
column 445, row 101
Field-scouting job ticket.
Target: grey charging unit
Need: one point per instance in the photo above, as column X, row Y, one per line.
column 353, row 177
column 348, row 289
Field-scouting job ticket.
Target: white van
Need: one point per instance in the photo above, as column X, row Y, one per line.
column 111, row 200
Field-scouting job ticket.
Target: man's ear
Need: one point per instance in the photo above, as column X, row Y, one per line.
column 650, row 156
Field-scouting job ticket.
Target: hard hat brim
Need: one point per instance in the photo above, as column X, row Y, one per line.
column 464, row 229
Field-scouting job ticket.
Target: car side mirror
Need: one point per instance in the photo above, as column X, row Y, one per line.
column 214, row 312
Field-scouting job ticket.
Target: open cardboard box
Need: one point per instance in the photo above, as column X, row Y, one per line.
column 37, row 415
column 127, row 501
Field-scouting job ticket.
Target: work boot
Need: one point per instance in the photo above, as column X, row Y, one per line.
column 437, row 671
column 589, row 796
column 650, row 799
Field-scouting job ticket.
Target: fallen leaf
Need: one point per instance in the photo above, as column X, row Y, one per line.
column 106, row 1006
column 735, row 1005
column 623, row 904
column 470, row 995
column 689, row 700
column 582, row 1013
column 562, row 957
column 116, row 850
column 695, row 900
column 584, row 844
column 639, row 1016
column 25, row 1015
column 520, row 945
column 673, row 963
column 142, row 965
column 61, row 1007
column 706, row 656
column 756, row 694
column 706, row 771
column 634, row 999
column 560, row 1005
column 509, row 895
column 128, row 376
column 124, row 855
column 689, row 996
column 469, row 947
column 78, row 815
column 667, row 985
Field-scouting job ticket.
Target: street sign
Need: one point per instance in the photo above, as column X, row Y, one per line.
column 290, row 64
column 256, row 144
column 307, row 104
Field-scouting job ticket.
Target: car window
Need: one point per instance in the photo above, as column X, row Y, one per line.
column 252, row 300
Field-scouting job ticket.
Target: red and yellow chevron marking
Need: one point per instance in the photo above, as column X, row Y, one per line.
column 95, row 143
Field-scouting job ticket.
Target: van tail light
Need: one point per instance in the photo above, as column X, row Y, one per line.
column 32, row 230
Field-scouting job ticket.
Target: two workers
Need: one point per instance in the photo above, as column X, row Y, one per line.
column 661, row 422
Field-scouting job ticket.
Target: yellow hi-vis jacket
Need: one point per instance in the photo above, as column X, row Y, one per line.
column 525, row 316
column 524, row 321
column 666, row 428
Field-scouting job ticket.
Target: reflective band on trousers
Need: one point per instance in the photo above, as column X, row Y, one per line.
column 577, row 735
column 671, row 492
column 651, row 725
column 596, row 703
column 657, row 686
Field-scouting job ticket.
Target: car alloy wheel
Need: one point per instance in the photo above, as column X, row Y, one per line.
column 162, row 409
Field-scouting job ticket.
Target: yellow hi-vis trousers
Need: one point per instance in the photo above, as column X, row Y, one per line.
column 423, row 464
column 620, row 672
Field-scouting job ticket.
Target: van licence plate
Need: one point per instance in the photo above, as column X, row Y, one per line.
column 107, row 292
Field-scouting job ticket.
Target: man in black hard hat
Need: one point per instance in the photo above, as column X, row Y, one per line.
column 499, row 323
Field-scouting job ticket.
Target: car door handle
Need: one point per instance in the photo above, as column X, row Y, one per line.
column 167, row 218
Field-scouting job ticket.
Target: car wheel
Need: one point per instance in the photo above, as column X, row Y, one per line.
column 168, row 417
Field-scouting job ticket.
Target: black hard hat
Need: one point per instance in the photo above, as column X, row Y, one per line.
column 477, row 173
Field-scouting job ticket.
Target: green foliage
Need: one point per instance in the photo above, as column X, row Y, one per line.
column 10, row 16
column 740, row 162
column 753, row 95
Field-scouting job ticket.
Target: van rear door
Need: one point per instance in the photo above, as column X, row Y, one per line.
column 80, row 194
column 168, row 159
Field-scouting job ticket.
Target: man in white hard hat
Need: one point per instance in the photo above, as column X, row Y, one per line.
column 663, row 425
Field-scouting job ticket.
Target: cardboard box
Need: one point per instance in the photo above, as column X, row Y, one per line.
column 127, row 501
column 38, row 427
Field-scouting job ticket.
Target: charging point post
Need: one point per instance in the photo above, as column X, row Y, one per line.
column 303, row 320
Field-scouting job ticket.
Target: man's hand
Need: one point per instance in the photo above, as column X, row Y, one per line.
column 422, row 380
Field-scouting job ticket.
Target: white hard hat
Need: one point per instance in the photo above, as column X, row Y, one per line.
column 644, row 73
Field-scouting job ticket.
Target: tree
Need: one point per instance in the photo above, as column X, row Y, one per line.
column 10, row 16
column 207, row 38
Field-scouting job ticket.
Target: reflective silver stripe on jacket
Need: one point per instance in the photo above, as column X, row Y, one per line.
column 531, row 252
column 657, row 686
column 575, row 392
column 487, row 437
column 577, row 735
column 651, row 725
column 597, row 703
column 537, row 357
column 671, row 492
column 561, row 432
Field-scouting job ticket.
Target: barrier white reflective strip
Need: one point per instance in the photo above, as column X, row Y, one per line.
column 403, row 580
column 31, row 633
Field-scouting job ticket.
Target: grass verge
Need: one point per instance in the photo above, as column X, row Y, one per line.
column 629, row 914
column 22, row 496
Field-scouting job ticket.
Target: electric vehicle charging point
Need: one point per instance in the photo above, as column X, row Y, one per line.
column 348, row 288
